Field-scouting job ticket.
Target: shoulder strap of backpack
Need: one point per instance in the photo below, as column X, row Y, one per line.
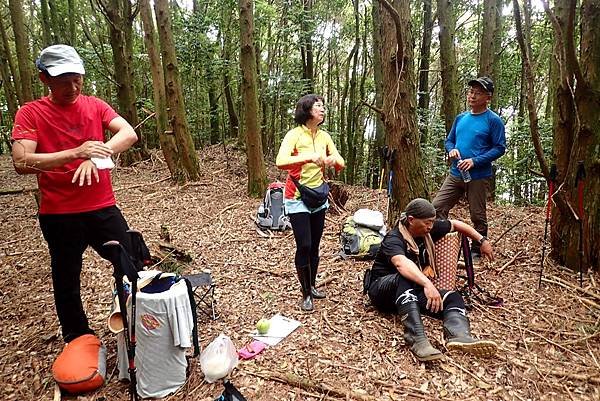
column 194, row 316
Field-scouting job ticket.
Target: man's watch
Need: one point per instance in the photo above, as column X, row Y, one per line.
column 483, row 239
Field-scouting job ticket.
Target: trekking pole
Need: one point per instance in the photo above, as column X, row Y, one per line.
column 551, row 181
column 124, row 267
column 580, row 182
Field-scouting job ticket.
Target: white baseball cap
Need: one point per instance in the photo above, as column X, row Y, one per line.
column 60, row 59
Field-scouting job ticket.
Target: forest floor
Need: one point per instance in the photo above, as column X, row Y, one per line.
column 549, row 338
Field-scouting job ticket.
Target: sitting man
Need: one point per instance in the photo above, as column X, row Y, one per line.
column 400, row 282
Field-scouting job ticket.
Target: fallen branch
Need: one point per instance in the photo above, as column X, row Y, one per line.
column 510, row 228
column 17, row 191
column 308, row 385
column 564, row 284
column 510, row 262
column 145, row 184
column 594, row 379
column 326, row 281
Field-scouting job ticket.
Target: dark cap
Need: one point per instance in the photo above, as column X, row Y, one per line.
column 60, row 59
column 420, row 208
column 486, row 83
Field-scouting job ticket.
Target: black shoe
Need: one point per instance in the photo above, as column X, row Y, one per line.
column 457, row 331
column 304, row 278
column 414, row 333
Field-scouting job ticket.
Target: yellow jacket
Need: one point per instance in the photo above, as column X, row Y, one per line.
column 295, row 155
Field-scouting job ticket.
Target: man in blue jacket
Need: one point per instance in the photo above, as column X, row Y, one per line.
column 476, row 139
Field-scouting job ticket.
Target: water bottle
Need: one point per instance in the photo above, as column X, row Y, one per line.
column 466, row 176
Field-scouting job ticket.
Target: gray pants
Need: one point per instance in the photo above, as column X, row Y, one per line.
column 450, row 193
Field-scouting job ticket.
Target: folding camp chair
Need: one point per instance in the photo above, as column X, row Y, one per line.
column 203, row 288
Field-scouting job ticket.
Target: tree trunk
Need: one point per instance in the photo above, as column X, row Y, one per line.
column 486, row 46
column 6, row 78
column 119, row 16
column 167, row 141
column 306, row 50
column 176, row 107
column 378, row 78
column 71, row 37
column 447, row 24
column 399, row 106
column 577, row 136
column 45, row 22
column 424, row 62
column 256, row 169
column 352, row 110
column 25, row 91
column 234, row 121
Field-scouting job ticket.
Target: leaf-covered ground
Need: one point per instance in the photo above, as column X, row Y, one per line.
column 549, row 338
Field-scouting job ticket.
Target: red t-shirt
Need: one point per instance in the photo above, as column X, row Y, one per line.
column 57, row 128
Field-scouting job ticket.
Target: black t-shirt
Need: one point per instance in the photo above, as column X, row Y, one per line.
column 394, row 244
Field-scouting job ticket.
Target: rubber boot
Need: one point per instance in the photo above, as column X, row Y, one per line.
column 304, row 278
column 414, row 333
column 316, row 294
column 457, row 331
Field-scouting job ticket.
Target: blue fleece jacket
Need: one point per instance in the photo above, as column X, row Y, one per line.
column 479, row 137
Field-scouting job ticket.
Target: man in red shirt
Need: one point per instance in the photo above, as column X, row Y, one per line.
column 60, row 137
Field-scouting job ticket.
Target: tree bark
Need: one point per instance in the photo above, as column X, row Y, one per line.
column 175, row 103
column 25, row 91
column 120, row 16
column 424, row 62
column 6, row 77
column 577, row 135
column 306, row 49
column 488, row 33
column 256, row 169
column 167, row 141
column 378, row 78
column 447, row 24
column 399, row 106
column 234, row 121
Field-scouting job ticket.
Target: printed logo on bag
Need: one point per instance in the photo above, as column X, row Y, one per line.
column 150, row 322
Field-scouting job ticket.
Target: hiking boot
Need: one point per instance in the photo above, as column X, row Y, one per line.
column 304, row 278
column 414, row 333
column 458, row 336
column 316, row 294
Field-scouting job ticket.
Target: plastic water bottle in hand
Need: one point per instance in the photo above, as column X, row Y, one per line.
column 466, row 176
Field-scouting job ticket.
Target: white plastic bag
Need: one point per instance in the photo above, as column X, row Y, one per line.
column 218, row 359
column 369, row 218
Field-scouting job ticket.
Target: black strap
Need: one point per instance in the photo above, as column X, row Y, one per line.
column 232, row 393
column 194, row 316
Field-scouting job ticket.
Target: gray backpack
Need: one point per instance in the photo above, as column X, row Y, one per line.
column 271, row 212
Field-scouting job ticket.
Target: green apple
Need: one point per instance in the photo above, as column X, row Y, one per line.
column 263, row 326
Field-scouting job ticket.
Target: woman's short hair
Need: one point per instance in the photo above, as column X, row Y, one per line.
column 304, row 106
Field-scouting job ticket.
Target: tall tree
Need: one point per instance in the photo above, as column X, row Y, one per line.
column 254, row 154
column 25, row 90
column 577, row 134
column 399, row 105
column 167, row 140
column 5, row 76
column 487, row 44
column 176, row 106
column 447, row 25
column 306, row 47
column 378, row 80
column 424, row 62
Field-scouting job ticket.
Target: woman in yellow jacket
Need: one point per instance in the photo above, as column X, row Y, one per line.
column 305, row 152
